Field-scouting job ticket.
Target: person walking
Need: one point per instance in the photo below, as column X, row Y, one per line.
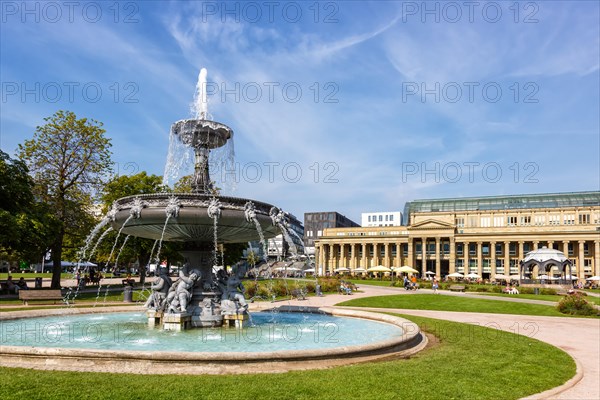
column 435, row 285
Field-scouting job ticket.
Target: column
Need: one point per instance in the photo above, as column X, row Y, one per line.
column 364, row 256
column 399, row 255
column 466, row 258
column 507, row 258
column 452, row 266
column 565, row 250
column 493, row 258
column 352, row 256
column 411, row 258
column 424, row 256
column 580, row 263
column 438, row 265
column 550, row 244
column 479, row 259
column 386, row 258
column 536, row 245
column 521, row 256
column 596, row 266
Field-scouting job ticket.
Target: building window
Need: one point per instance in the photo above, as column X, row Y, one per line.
column 539, row 220
column 498, row 249
column 472, row 222
column 418, row 247
column 526, row 220
column 512, row 249
column 391, row 217
column 485, row 249
column 554, row 219
column 446, row 247
column 584, row 218
column 485, row 222
column 319, row 233
column 386, row 218
column 459, row 249
column 394, row 250
column 369, row 218
column 568, row 219
column 511, row 221
column 460, row 222
column 498, row 221
column 586, row 249
column 472, row 249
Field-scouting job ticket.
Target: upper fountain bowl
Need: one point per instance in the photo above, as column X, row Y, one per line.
column 202, row 133
column 145, row 216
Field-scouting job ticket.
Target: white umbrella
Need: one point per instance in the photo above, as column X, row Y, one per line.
column 359, row 270
column 501, row 277
column 429, row 273
column 342, row 269
column 406, row 268
column 514, row 277
column 593, row 278
column 379, row 268
column 309, row 270
column 291, row 269
column 543, row 277
column 571, row 277
column 473, row 275
column 456, row 275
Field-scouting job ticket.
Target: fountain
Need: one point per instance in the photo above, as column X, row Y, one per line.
column 201, row 220
column 159, row 338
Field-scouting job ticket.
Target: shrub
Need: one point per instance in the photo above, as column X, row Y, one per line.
column 547, row 291
column 575, row 304
column 526, row 290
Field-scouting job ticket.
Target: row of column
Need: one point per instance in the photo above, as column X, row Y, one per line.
column 328, row 257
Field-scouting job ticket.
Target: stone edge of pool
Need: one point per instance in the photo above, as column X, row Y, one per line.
column 169, row 362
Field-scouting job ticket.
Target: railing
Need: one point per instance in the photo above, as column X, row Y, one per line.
column 547, row 281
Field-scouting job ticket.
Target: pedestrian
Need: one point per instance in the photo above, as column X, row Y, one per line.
column 435, row 285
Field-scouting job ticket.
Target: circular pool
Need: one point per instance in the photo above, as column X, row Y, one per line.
column 280, row 339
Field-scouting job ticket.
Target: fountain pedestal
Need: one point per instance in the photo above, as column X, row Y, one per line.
column 177, row 322
column 235, row 320
column 154, row 318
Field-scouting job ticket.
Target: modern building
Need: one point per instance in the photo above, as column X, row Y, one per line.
column 316, row 222
column 484, row 235
column 391, row 218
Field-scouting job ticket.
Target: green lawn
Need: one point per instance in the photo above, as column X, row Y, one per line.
column 453, row 303
column 469, row 362
column 545, row 297
column 372, row 282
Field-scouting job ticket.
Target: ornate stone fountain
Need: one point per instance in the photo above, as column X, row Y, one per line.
column 202, row 220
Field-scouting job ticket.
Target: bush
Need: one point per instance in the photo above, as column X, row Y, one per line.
column 526, row 290
column 548, row 291
column 575, row 304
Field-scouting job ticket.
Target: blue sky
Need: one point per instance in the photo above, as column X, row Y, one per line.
column 345, row 106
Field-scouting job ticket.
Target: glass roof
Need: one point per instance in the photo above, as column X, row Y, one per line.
column 550, row 200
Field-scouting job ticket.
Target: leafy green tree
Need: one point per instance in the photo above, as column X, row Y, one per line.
column 69, row 159
column 26, row 226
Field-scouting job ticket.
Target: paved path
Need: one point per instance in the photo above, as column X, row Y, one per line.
column 580, row 337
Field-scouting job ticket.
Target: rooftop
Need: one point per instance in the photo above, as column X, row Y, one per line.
column 522, row 201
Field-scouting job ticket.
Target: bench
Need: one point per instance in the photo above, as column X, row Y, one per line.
column 40, row 296
column 457, row 288
column 299, row 294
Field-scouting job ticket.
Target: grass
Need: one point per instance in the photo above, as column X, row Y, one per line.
column 453, row 303
column 545, row 297
column 371, row 282
column 470, row 362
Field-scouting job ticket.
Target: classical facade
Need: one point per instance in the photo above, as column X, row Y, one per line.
column 483, row 235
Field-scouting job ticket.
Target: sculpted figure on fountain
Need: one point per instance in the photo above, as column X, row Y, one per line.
column 160, row 288
column 232, row 298
column 180, row 293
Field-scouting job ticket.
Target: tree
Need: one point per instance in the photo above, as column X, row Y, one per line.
column 70, row 159
column 26, row 226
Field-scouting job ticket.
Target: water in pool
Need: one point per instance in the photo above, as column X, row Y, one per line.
column 128, row 331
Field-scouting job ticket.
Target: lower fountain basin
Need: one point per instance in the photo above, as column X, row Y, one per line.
column 192, row 223
column 288, row 338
